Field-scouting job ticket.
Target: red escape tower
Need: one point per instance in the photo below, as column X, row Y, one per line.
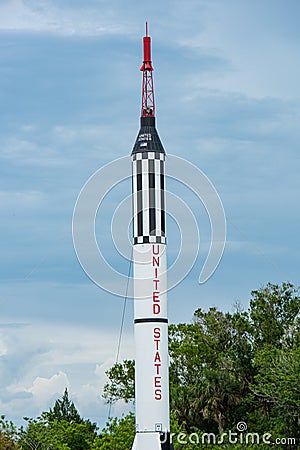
column 148, row 105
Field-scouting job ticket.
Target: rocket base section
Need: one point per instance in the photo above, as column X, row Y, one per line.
column 146, row 441
column 152, row 441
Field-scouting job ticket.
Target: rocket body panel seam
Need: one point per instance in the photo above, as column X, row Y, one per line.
column 151, row 320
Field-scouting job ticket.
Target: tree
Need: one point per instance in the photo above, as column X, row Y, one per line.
column 64, row 409
column 275, row 318
column 121, row 382
column 275, row 315
column 117, row 435
column 277, row 383
column 8, row 435
column 38, row 435
column 210, row 367
column 61, row 428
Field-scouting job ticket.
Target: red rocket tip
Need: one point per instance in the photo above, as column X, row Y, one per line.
column 148, row 107
column 147, row 65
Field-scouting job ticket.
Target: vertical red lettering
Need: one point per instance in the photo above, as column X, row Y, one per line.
column 155, row 261
column 157, row 382
column 155, row 296
column 153, row 250
column 158, row 395
column 156, row 332
column 157, row 341
column 157, row 368
column 156, row 283
column 157, row 357
column 156, row 308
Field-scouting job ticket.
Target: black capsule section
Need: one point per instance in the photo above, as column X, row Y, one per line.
column 147, row 139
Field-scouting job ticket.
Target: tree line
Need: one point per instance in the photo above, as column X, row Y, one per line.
column 227, row 370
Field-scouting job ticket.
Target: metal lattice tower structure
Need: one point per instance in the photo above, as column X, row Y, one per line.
column 148, row 105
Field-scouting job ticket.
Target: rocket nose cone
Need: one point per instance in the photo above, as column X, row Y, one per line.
column 148, row 139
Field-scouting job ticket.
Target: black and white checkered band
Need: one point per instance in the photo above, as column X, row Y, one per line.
column 149, row 240
column 149, row 217
column 148, row 155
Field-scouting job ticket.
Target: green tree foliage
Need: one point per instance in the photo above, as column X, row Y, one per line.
column 64, row 409
column 8, row 435
column 209, row 367
column 274, row 314
column 121, row 382
column 61, row 428
column 117, row 435
column 60, row 435
column 39, row 434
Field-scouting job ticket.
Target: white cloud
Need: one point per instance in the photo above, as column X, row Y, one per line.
column 46, row 358
column 43, row 16
column 88, row 395
column 43, row 389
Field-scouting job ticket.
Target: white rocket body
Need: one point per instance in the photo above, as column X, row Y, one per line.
column 150, row 293
column 151, row 339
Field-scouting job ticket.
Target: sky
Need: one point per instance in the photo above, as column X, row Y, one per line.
column 228, row 101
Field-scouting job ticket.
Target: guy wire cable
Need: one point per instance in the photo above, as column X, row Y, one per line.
column 122, row 323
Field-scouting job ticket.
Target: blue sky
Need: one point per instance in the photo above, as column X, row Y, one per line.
column 228, row 100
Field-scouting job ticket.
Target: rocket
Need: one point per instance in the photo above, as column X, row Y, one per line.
column 150, row 275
